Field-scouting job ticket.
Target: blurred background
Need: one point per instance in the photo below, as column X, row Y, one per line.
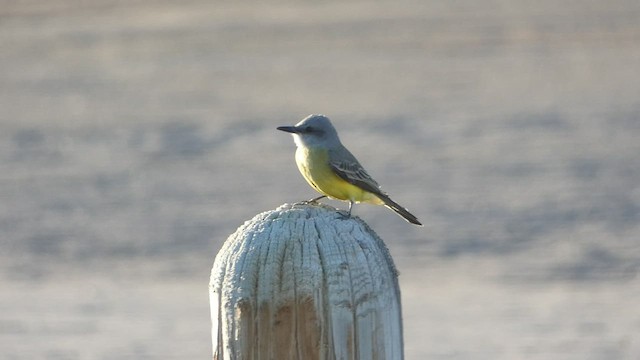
column 135, row 136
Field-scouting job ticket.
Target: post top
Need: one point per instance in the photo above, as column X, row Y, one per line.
column 305, row 281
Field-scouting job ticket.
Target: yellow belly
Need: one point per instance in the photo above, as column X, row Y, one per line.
column 314, row 167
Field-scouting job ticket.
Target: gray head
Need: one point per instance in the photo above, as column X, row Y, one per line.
column 314, row 130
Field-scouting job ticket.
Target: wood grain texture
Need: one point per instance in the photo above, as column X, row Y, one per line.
column 304, row 282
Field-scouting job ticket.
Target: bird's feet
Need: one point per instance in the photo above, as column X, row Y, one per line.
column 344, row 215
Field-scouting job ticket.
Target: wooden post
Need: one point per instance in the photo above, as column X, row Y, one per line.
column 305, row 282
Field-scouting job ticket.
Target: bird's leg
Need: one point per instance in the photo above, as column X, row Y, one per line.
column 315, row 200
column 346, row 214
column 310, row 201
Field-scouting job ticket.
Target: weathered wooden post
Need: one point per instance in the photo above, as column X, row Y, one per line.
column 304, row 282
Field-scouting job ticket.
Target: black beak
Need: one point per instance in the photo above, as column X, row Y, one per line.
column 289, row 129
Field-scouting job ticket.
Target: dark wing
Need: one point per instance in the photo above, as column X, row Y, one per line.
column 345, row 165
column 349, row 169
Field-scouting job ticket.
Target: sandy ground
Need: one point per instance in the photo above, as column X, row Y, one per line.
column 135, row 136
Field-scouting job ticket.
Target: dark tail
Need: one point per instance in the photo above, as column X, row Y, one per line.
column 399, row 209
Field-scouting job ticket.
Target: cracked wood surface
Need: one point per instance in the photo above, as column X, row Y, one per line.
column 303, row 282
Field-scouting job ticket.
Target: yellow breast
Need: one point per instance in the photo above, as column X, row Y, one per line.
column 314, row 167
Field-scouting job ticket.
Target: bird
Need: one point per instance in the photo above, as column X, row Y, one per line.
column 332, row 170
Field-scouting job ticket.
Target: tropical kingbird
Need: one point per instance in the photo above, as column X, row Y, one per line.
column 332, row 170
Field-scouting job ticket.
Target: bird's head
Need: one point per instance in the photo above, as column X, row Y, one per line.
column 313, row 131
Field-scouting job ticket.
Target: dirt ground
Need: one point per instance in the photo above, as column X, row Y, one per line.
column 136, row 136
